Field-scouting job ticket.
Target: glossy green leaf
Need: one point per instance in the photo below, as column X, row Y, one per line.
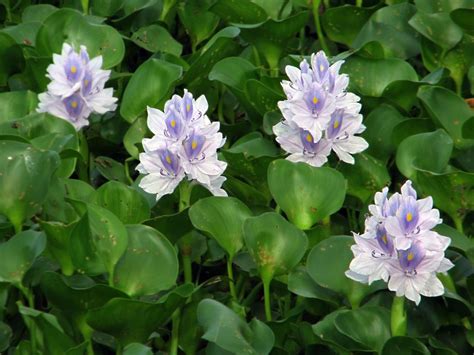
column 389, row 27
column 380, row 124
column 306, row 194
column 77, row 294
column 343, row 23
column 463, row 18
column 5, row 336
column 367, row 176
column 241, row 12
column 369, row 326
column 199, row 22
column 222, row 218
column 428, row 151
column 155, row 38
column 126, row 203
column 98, row 241
column 149, row 265
column 151, row 82
column 275, row 245
column 54, row 339
column 449, row 109
column 118, row 317
column 16, row 104
column 11, row 57
column 25, row 175
column 398, row 345
column 300, row 283
column 137, row 349
column 226, row 329
column 18, row 254
column 370, row 77
column 437, row 27
column 66, row 25
column 327, row 263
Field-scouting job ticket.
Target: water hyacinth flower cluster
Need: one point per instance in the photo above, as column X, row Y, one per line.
column 319, row 114
column 77, row 87
column 400, row 247
column 184, row 144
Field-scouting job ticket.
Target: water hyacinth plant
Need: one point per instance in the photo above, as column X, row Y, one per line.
column 252, row 177
column 185, row 143
column 77, row 88
column 319, row 114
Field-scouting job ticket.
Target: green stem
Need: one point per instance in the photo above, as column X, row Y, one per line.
column 85, row 6
column 175, row 332
column 18, row 227
column 230, row 274
column 399, row 317
column 167, row 5
column 319, row 31
column 31, row 303
column 252, row 295
column 326, row 221
column 458, row 224
column 359, row 3
column 187, row 267
column 266, row 295
column 127, row 170
column 185, row 189
column 83, row 165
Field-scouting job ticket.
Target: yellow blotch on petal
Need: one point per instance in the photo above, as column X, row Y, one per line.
column 315, row 100
column 73, row 69
column 173, row 123
column 409, row 217
column 321, row 67
column 194, row 144
column 309, row 138
column 74, row 104
column 188, row 107
column 336, row 124
column 168, row 159
column 384, row 239
column 410, row 256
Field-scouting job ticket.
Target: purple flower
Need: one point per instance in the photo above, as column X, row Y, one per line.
column 77, row 87
column 398, row 245
column 184, row 130
column 318, row 103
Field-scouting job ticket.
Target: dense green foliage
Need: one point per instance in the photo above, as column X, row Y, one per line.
column 91, row 263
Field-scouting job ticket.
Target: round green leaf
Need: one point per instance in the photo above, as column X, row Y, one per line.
column 404, row 345
column 199, row 22
column 66, row 25
column 5, row 336
column 149, row 265
column 370, row 77
column 98, row 241
column 225, row 328
column 438, row 28
column 388, row 26
column 25, row 175
column 275, row 245
column 152, row 82
column 155, row 38
column 11, row 58
column 306, row 194
column 132, row 321
column 448, row 109
column 16, row 104
column 463, row 18
column 222, row 218
column 327, row 263
column 343, row 23
column 126, row 203
column 427, row 151
column 242, row 12
column 18, row 254
column 77, row 294
column 369, row 326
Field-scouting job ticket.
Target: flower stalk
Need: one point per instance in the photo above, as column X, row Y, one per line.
column 398, row 317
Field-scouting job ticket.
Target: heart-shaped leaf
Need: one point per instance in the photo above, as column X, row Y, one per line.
column 222, row 218
column 149, row 265
column 275, row 245
column 18, row 254
column 225, row 328
column 305, row 193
